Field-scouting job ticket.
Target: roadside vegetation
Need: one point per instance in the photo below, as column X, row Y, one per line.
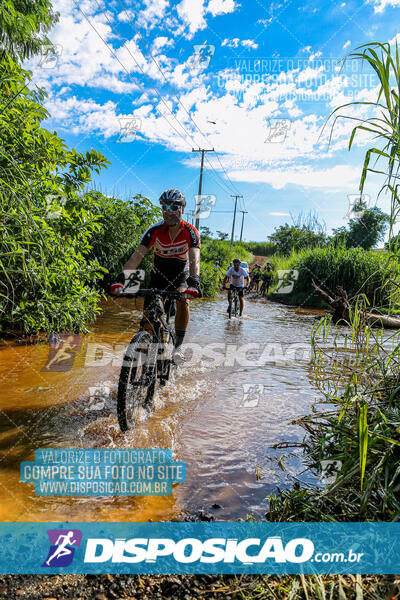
column 216, row 255
column 360, row 272
column 356, row 427
column 212, row 587
column 61, row 241
column 261, row 248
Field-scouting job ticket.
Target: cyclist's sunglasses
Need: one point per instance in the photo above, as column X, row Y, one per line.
column 171, row 207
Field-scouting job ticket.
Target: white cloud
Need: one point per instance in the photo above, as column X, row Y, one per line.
column 249, row 44
column 221, row 7
column 380, row 5
column 236, row 42
column 309, row 74
column 162, row 42
column 338, row 177
column 152, row 14
column 315, row 55
column 243, row 110
column 192, row 14
column 346, row 44
column 87, row 115
column 265, row 22
column 279, row 214
column 125, row 16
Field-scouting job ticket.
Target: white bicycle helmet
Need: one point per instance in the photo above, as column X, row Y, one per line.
column 172, row 197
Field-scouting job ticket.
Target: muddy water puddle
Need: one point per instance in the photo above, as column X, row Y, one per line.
column 243, row 384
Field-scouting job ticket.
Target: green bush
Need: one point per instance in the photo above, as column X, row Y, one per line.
column 288, row 238
column 209, row 279
column 121, row 225
column 47, row 280
column 261, row 248
column 221, row 252
column 358, row 271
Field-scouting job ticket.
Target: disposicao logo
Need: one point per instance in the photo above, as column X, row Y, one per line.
column 62, row 546
column 190, row 550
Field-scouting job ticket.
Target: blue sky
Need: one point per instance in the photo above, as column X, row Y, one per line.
column 145, row 82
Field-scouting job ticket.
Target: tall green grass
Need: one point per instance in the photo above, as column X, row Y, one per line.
column 359, row 272
column 221, row 252
column 261, row 248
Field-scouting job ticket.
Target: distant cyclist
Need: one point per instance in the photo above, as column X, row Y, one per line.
column 176, row 259
column 256, row 277
column 266, row 277
column 237, row 275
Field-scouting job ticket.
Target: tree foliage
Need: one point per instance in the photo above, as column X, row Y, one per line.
column 288, row 238
column 121, row 224
column 57, row 242
column 364, row 231
column 23, row 27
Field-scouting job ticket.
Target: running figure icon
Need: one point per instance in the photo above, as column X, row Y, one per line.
column 63, row 543
column 62, row 549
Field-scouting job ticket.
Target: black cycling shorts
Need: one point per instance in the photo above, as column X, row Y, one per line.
column 167, row 283
column 239, row 290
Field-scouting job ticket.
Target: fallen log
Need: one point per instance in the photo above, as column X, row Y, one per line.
column 341, row 310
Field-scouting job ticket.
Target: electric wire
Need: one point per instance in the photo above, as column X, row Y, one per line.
column 224, row 185
column 175, row 94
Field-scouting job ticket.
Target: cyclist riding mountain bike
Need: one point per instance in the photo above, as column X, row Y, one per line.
column 176, row 260
column 267, row 269
column 256, row 276
column 237, row 275
column 266, row 277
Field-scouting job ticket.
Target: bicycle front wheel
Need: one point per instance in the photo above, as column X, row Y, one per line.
column 137, row 380
column 236, row 305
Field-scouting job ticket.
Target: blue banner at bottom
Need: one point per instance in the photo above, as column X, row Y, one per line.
column 222, row 547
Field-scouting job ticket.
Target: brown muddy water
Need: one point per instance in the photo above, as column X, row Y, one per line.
column 244, row 383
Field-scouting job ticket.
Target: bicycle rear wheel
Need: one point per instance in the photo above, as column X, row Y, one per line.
column 137, row 380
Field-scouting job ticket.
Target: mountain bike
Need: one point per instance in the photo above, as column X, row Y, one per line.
column 266, row 284
column 148, row 357
column 234, row 304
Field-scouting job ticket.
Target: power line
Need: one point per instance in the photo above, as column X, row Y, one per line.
column 161, row 71
column 173, row 91
column 229, row 189
column 144, row 74
column 229, row 179
column 155, row 89
column 222, row 185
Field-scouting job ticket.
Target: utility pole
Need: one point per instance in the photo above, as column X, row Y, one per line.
column 202, row 150
column 234, row 217
column 244, row 212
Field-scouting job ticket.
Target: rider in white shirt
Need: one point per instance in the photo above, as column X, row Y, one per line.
column 237, row 275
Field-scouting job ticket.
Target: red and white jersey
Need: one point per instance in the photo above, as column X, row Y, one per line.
column 170, row 254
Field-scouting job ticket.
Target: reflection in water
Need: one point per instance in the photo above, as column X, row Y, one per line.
column 244, row 383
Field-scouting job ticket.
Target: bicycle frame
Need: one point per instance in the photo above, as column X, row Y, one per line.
column 159, row 310
column 234, row 301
